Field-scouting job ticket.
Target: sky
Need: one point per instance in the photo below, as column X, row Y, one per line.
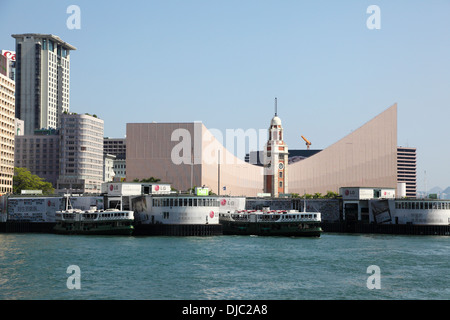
column 224, row 62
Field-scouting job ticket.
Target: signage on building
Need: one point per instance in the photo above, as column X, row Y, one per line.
column 160, row 188
column 11, row 55
column 123, row 189
column 202, row 191
column 357, row 193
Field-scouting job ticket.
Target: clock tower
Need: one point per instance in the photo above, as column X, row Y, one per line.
column 275, row 159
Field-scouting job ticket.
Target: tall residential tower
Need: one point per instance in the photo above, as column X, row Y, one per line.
column 42, row 80
column 81, row 153
column 7, row 127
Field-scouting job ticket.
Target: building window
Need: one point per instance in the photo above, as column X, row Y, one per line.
column 281, row 174
column 281, row 184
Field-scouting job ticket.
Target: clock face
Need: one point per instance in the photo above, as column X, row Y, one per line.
column 281, row 166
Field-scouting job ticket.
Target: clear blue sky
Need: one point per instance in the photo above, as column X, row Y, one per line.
column 224, row 62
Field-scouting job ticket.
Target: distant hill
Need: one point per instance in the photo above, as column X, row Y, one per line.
column 436, row 190
column 447, row 191
column 444, row 194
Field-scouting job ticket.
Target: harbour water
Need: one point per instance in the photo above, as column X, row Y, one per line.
column 332, row 267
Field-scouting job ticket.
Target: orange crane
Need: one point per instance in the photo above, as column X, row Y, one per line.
column 307, row 142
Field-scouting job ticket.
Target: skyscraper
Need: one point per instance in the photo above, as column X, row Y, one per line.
column 81, row 153
column 7, row 127
column 407, row 169
column 42, row 80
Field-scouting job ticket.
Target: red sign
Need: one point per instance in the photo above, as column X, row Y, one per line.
column 11, row 55
column 156, row 188
column 223, row 202
column 211, row 214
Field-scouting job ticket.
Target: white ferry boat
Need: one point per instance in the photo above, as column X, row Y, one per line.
column 94, row 221
column 268, row 222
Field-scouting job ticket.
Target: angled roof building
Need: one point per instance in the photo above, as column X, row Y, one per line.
column 187, row 154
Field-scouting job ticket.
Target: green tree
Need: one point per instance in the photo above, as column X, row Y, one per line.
column 24, row 180
column 331, row 195
column 151, row 179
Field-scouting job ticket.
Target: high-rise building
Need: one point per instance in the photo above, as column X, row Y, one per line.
column 407, row 170
column 81, row 153
column 42, row 80
column 117, row 147
column 7, row 128
column 39, row 153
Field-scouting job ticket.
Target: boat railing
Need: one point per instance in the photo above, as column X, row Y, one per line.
column 274, row 216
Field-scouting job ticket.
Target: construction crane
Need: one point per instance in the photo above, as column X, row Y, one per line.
column 307, row 142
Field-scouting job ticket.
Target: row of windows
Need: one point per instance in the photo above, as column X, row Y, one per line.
column 185, row 202
column 437, row 205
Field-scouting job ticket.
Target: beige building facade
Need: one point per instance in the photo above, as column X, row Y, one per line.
column 81, row 153
column 188, row 154
column 7, row 127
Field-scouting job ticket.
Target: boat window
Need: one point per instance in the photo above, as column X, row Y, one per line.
column 190, row 202
column 171, row 202
column 195, row 202
column 421, row 205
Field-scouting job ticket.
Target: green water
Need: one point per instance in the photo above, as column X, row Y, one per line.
column 334, row 266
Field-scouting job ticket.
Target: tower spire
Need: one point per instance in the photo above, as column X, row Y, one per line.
column 276, row 106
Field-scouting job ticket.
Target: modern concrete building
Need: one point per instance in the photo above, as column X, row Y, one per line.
column 39, row 153
column 42, row 80
column 367, row 157
column 7, row 127
column 108, row 167
column 407, row 170
column 187, row 154
column 120, row 169
column 115, row 146
column 81, row 149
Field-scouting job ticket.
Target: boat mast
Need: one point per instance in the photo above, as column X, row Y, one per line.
column 304, row 202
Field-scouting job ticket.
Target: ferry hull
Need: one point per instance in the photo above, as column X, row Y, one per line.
column 96, row 230
column 268, row 229
column 178, row 230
